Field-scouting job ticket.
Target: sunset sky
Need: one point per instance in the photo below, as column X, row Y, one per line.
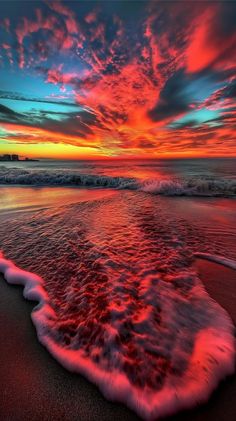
column 82, row 79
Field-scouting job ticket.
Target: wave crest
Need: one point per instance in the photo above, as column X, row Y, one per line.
column 61, row 178
column 194, row 186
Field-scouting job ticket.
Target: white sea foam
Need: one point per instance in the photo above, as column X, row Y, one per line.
column 12, row 176
column 183, row 302
column 185, row 186
column 217, row 259
column 194, row 186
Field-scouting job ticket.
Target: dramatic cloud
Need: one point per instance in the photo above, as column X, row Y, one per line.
column 123, row 78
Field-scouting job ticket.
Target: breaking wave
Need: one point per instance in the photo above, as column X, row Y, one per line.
column 198, row 186
column 188, row 186
column 61, row 178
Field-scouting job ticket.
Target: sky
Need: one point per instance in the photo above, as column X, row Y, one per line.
column 120, row 79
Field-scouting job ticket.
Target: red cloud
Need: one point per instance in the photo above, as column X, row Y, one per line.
column 60, row 37
column 70, row 20
column 208, row 45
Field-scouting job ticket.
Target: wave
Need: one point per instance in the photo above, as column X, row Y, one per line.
column 61, row 178
column 194, row 186
column 194, row 371
column 217, row 259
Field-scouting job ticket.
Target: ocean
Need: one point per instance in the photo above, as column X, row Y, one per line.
column 108, row 248
column 188, row 177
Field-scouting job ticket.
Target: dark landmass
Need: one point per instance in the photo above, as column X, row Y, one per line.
column 15, row 158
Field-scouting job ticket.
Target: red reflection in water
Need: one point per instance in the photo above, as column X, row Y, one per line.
column 121, row 303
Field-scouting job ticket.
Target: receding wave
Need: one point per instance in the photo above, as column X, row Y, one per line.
column 189, row 186
column 119, row 300
column 197, row 366
column 217, row 259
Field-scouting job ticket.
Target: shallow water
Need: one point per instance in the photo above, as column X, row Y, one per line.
column 127, row 308
column 21, row 199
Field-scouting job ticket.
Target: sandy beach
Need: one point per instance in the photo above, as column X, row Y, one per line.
column 35, row 386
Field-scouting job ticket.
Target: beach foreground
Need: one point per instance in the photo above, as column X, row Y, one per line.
column 118, row 274
column 35, row 386
column 117, row 210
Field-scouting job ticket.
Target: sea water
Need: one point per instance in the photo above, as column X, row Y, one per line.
column 119, row 300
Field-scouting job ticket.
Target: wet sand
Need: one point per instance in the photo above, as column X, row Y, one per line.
column 16, row 199
column 35, row 387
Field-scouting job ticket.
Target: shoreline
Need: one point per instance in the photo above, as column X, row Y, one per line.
column 35, row 385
